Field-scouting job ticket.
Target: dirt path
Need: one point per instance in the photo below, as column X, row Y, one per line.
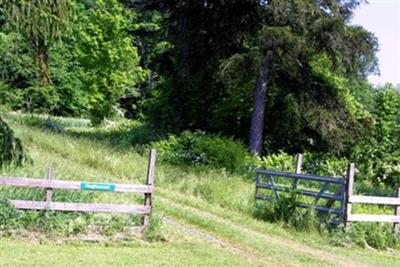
column 334, row 259
column 194, row 232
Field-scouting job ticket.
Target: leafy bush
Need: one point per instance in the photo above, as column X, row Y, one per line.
column 376, row 235
column 199, row 148
column 324, row 165
column 52, row 126
column 279, row 162
column 11, row 150
column 378, row 157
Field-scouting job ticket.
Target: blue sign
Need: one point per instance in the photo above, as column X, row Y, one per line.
column 98, row 187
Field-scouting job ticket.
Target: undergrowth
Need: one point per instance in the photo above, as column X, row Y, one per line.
column 58, row 222
column 198, row 164
column 286, row 212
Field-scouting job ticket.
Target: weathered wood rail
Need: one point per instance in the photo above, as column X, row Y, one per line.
column 50, row 183
column 392, row 201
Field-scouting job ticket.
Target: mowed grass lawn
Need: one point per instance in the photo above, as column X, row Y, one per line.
column 211, row 225
column 24, row 253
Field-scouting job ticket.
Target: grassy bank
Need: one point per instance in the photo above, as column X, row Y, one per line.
column 213, row 202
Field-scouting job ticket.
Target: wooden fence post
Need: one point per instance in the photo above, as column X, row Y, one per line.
column 396, row 226
column 299, row 164
column 349, row 192
column 150, row 181
column 49, row 191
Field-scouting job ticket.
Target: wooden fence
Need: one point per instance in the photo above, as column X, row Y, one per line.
column 392, row 201
column 265, row 180
column 50, row 184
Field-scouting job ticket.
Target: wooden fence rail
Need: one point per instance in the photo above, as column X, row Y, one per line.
column 50, row 183
column 393, row 201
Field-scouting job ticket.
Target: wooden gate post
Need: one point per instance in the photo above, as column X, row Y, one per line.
column 299, row 164
column 49, row 191
column 150, row 181
column 349, row 192
column 396, row 226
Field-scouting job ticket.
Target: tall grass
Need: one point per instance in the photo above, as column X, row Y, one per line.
column 79, row 156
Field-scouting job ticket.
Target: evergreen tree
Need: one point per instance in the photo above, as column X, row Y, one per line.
column 274, row 47
column 41, row 22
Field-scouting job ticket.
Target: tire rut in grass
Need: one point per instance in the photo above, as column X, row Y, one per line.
column 194, row 232
column 336, row 260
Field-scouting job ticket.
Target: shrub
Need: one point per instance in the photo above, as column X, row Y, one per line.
column 47, row 221
column 8, row 215
column 199, row 148
column 314, row 163
column 324, row 165
column 53, row 126
column 286, row 211
column 376, row 235
column 279, row 161
column 11, row 150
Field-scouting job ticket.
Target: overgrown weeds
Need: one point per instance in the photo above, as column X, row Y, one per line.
column 58, row 222
column 366, row 235
column 285, row 210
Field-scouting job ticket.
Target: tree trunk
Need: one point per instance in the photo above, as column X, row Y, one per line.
column 43, row 58
column 257, row 120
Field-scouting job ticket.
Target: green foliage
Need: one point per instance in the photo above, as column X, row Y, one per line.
column 58, row 222
column 199, row 148
column 8, row 215
column 11, row 150
column 378, row 156
column 110, row 62
column 379, row 236
column 279, row 161
column 311, row 58
column 47, row 221
column 41, row 23
column 153, row 231
column 286, row 211
column 52, row 126
column 325, row 165
column 17, row 68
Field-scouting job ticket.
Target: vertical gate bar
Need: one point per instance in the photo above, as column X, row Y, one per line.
column 257, row 183
column 271, row 179
column 323, row 188
column 342, row 193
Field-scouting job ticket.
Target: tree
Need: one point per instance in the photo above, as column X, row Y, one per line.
column 281, row 41
column 110, row 61
column 189, row 96
column 310, row 27
column 41, row 22
column 11, row 150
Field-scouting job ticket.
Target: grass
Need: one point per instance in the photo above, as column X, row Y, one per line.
column 21, row 253
column 210, row 201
